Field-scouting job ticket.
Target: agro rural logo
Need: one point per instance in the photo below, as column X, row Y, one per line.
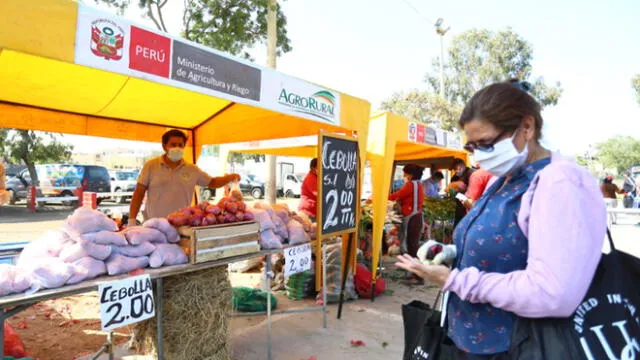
column 321, row 104
column 107, row 39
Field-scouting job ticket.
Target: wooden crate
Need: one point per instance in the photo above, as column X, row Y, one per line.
column 208, row 243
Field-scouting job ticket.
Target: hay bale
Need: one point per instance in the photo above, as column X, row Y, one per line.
column 196, row 322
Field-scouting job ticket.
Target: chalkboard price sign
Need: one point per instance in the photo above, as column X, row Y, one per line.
column 338, row 180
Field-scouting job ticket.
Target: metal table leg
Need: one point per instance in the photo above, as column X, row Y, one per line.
column 268, row 290
column 159, row 320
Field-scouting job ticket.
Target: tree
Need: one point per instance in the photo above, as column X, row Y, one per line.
column 424, row 107
column 33, row 148
column 620, row 152
column 477, row 58
column 231, row 26
column 635, row 83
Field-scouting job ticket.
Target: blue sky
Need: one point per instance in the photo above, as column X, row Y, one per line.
column 371, row 48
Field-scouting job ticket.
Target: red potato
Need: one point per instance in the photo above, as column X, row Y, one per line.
column 240, row 215
column 203, row 205
column 222, row 203
column 204, row 222
column 178, row 219
column 220, row 219
column 241, row 206
column 248, row 216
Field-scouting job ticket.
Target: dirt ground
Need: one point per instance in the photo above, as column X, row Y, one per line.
column 69, row 328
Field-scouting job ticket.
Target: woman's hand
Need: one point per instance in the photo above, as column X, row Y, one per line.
column 434, row 273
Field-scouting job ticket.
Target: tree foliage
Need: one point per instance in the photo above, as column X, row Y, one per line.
column 231, row 26
column 425, row 108
column 635, row 83
column 476, row 58
column 620, row 152
column 31, row 148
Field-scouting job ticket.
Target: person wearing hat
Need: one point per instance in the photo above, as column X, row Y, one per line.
column 609, row 191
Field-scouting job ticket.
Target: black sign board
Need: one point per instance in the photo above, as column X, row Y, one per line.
column 338, row 177
column 200, row 67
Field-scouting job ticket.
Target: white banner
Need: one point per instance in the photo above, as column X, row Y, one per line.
column 299, row 98
column 114, row 44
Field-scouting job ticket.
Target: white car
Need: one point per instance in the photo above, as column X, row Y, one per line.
column 123, row 181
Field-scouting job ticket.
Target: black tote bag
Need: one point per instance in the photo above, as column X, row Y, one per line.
column 424, row 338
column 606, row 325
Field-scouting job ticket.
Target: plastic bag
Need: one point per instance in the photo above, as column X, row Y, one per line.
column 167, row 255
column 49, row 245
column 87, row 268
column 297, row 235
column 13, row 345
column 136, row 235
column 85, row 220
column 263, row 218
column 269, row 240
column 50, row 273
column 280, row 228
column 105, row 238
column 163, row 225
column 119, row 264
column 265, row 207
column 282, row 211
column 334, row 276
column 83, row 249
column 143, row 249
column 251, row 300
column 13, row 279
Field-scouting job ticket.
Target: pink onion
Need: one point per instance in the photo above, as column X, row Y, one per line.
column 239, row 215
column 211, row 219
column 248, row 216
column 232, row 207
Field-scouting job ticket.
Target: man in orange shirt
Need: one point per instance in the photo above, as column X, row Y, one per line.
column 309, row 192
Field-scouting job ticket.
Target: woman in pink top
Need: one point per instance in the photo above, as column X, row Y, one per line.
column 530, row 246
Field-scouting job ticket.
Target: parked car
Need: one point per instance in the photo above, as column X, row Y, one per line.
column 61, row 180
column 250, row 185
column 123, row 181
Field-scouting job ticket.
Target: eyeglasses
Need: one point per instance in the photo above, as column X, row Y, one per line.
column 472, row 146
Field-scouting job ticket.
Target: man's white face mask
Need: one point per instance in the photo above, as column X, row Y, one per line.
column 175, row 154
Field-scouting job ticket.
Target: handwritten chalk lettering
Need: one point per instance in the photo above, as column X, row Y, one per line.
column 338, row 159
column 350, row 182
column 331, row 180
column 331, row 200
column 126, row 302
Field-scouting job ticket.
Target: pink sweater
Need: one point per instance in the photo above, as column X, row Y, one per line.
column 565, row 222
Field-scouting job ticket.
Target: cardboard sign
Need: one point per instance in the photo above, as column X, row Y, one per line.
column 297, row 259
column 126, row 301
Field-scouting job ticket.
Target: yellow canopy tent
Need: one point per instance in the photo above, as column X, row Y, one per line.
column 66, row 67
column 393, row 139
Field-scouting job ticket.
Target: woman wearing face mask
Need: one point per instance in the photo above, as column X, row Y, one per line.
column 530, row 246
column 411, row 198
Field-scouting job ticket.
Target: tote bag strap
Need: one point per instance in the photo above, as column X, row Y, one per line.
column 613, row 248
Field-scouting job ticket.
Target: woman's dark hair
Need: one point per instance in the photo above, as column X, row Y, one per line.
column 414, row 171
column 504, row 105
column 313, row 164
column 437, row 175
column 173, row 133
